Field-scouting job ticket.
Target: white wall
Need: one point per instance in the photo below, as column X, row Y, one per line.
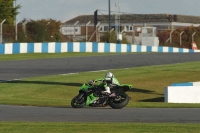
column 182, row 94
column 150, row 41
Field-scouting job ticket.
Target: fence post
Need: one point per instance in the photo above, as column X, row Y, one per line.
column 1, row 38
column 24, row 27
column 74, row 30
column 16, row 31
column 181, row 37
column 97, row 30
column 86, row 30
column 193, row 36
column 171, row 36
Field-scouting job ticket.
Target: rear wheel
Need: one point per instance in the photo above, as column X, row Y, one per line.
column 119, row 101
column 78, row 102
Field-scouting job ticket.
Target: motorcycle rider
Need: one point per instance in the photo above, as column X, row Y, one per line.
column 109, row 81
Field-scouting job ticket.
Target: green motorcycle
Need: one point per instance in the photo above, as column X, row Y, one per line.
column 91, row 95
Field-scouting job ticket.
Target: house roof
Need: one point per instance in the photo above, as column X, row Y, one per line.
column 136, row 18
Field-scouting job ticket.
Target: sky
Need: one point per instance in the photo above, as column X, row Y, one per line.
column 64, row 10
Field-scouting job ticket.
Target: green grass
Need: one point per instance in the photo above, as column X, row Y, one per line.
column 58, row 90
column 41, row 127
column 30, row 56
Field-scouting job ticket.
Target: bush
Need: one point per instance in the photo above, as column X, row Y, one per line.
column 111, row 38
column 186, row 37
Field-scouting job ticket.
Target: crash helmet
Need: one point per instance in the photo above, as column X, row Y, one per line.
column 109, row 75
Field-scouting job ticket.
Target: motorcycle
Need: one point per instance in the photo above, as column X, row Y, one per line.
column 93, row 96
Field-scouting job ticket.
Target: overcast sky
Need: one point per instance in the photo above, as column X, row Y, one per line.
column 64, row 10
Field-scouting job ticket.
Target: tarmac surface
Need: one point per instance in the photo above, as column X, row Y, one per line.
column 10, row 70
column 56, row 114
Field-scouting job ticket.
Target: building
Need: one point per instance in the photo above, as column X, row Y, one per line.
column 91, row 27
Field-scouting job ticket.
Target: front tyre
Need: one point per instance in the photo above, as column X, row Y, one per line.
column 119, row 101
column 78, row 102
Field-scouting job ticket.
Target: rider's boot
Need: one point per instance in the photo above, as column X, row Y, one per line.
column 107, row 90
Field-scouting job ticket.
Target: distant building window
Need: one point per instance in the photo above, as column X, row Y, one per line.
column 128, row 28
column 105, row 28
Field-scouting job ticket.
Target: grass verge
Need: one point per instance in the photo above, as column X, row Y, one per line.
column 41, row 127
column 58, row 90
column 30, row 56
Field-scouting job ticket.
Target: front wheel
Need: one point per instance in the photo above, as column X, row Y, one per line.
column 78, row 102
column 119, row 101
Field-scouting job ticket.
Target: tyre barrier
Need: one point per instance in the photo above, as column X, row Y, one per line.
column 60, row 47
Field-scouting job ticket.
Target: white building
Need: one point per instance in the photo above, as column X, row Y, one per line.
column 85, row 27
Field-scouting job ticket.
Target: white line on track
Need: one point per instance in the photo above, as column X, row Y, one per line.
column 87, row 71
column 98, row 71
column 68, row 74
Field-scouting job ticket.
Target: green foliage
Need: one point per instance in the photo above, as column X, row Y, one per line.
column 41, row 31
column 124, row 40
column 21, row 36
column 58, row 90
column 11, row 57
column 98, row 127
column 8, row 11
column 186, row 37
column 36, row 31
column 111, row 37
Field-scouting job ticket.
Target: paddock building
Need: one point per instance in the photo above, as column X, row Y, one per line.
column 91, row 27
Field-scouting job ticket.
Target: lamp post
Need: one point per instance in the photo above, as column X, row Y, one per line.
column 1, row 40
column 109, row 15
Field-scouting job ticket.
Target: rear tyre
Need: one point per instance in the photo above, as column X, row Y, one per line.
column 78, row 102
column 119, row 101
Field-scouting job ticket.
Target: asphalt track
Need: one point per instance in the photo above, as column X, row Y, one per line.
column 52, row 114
column 10, row 70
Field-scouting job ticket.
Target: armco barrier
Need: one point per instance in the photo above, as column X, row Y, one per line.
column 59, row 47
column 182, row 93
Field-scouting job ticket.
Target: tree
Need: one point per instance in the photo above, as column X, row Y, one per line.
column 41, row 31
column 113, row 38
column 8, row 11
